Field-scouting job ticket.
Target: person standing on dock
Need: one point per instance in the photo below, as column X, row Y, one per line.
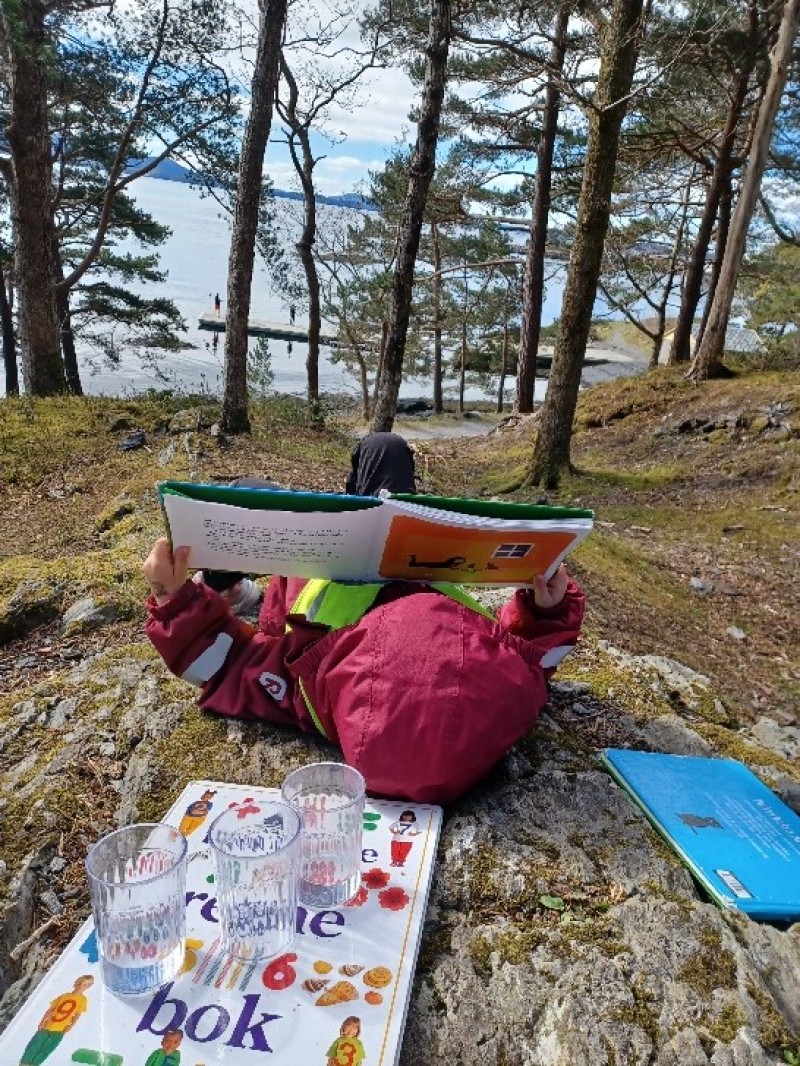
column 291, row 314
column 217, row 305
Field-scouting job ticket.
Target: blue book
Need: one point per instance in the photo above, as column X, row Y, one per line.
column 739, row 840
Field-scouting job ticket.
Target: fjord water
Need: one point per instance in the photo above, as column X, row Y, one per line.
column 195, row 260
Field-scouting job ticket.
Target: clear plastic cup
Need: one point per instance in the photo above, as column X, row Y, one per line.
column 137, row 878
column 329, row 797
column 256, row 851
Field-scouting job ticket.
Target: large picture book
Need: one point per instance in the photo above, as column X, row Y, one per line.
column 356, row 538
column 736, row 836
column 353, row 964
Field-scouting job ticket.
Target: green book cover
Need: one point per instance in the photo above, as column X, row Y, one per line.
column 354, row 538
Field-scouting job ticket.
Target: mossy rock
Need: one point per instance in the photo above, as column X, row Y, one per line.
column 115, row 513
column 32, row 604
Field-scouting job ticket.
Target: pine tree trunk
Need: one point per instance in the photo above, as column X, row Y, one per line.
column 23, row 44
column 533, row 279
column 723, row 229
column 669, row 280
column 503, row 370
column 361, row 363
column 620, row 44
column 438, row 398
column 305, row 248
column 272, row 16
column 304, row 168
column 709, row 354
column 463, row 368
column 421, row 172
column 9, row 339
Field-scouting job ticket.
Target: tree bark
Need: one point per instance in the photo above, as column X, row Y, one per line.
column 305, row 248
column 723, row 229
column 23, row 42
column 438, row 398
column 620, row 42
column 9, row 339
column 272, row 16
column 68, row 352
column 722, row 169
column 503, row 370
column 421, row 172
column 533, row 279
column 462, row 371
column 709, row 354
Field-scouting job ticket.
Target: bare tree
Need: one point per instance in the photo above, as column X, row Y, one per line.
column 709, row 353
column 249, row 190
column 301, row 117
column 421, row 172
column 641, row 267
column 620, row 33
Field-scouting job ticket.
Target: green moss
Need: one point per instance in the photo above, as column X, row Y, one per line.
column 513, row 945
column 735, row 747
column 198, row 749
column 772, row 1027
column 711, row 966
column 641, row 1013
column 725, row 1024
column 480, row 951
column 112, row 515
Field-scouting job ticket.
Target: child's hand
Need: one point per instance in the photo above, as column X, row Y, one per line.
column 166, row 571
column 550, row 593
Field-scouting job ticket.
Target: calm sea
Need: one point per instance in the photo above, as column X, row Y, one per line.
column 195, row 260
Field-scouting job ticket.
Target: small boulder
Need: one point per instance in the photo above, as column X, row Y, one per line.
column 32, row 604
column 133, row 441
column 85, row 615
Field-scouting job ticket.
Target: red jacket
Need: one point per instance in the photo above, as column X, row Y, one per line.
column 423, row 694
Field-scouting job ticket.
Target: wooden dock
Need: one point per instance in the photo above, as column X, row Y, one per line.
column 257, row 327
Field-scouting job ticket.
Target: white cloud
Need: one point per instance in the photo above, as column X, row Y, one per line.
column 382, row 115
column 333, row 175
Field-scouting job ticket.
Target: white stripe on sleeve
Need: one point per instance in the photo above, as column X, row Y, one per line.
column 555, row 655
column 212, row 659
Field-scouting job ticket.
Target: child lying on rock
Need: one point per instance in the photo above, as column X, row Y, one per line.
column 421, row 687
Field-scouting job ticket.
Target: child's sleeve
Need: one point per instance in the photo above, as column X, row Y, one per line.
column 241, row 672
column 553, row 630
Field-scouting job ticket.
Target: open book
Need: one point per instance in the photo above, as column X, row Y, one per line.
column 357, row 538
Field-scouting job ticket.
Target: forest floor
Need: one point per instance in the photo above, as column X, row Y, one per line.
column 696, row 490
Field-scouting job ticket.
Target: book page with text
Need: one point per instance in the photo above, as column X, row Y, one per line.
column 343, row 546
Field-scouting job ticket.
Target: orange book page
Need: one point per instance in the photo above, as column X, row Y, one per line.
column 417, row 550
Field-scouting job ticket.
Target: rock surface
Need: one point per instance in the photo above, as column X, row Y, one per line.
column 626, row 961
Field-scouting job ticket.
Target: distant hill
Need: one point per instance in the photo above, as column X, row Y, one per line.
column 169, row 170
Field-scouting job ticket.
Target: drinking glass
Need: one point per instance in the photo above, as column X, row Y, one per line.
column 329, row 797
column 137, row 878
column 256, row 849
